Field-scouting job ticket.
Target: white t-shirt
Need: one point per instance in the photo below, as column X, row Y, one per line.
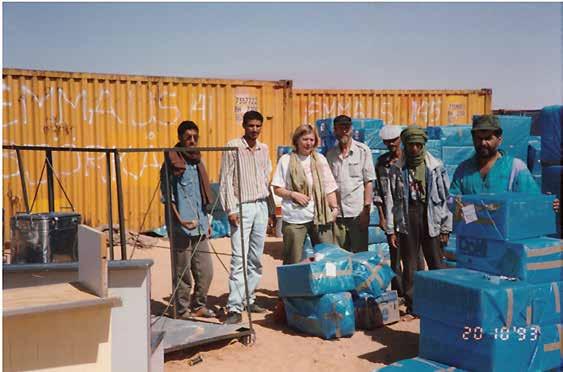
column 291, row 211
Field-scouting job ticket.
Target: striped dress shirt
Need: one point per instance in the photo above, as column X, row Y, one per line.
column 255, row 169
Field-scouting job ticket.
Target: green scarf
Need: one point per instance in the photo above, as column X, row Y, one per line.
column 300, row 185
column 415, row 134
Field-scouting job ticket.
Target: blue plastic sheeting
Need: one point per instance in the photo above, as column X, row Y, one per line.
column 418, row 365
column 282, row 150
column 450, row 170
column 328, row 316
column 307, row 248
column 454, row 155
column 551, row 179
column 215, row 190
column 374, row 217
column 504, row 216
column 435, row 148
column 530, row 348
column 220, row 226
column 450, row 264
column 160, row 231
column 359, row 135
column 373, row 312
column 381, row 249
column 463, row 297
column 451, row 135
column 451, row 248
column 376, row 235
column 330, row 273
column 548, row 126
column 515, row 135
column 372, row 275
column 534, row 155
column 537, row 260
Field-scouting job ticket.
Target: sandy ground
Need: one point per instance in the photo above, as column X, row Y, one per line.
column 277, row 348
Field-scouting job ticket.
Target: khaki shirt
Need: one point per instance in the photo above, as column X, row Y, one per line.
column 350, row 174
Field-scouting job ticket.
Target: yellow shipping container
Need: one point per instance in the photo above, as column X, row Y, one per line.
column 407, row 107
column 100, row 110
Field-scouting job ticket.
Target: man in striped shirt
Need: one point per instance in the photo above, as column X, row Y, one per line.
column 255, row 169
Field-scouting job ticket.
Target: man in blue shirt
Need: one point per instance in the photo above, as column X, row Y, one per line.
column 190, row 195
column 490, row 170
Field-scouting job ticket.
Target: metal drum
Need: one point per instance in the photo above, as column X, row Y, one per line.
column 44, row 237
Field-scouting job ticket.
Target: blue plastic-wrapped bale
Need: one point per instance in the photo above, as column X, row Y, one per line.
column 374, row 312
column 454, row 155
column 450, row 170
column 451, row 135
column 450, row 264
column 328, row 316
column 548, row 126
column 531, row 348
column 330, row 273
column 307, row 248
column 373, row 217
column 381, row 249
column 504, row 216
column 451, row 248
column 376, row 235
column 419, row 365
column 220, row 226
column 434, row 147
column 551, row 179
column 463, row 297
column 515, row 135
column 218, row 207
column 534, row 155
column 372, row 275
column 359, row 135
column 371, row 128
column 536, row 260
column 282, row 150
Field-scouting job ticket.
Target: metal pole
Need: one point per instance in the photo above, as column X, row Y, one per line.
column 50, row 184
column 22, row 179
column 110, row 205
column 170, row 230
column 121, row 216
column 244, row 263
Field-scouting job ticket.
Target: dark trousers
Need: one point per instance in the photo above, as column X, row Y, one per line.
column 411, row 245
column 397, row 281
column 192, row 259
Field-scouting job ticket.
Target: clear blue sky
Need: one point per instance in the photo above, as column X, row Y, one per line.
column 515, row 49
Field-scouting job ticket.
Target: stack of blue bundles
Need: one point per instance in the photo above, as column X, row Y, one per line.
column 454, row 155
column 534, row 159
column 434, row 147
column 477, row 321
column 504, row 216
column 376, row 235
column 381, row 249
column 327, row 316
column 359, row 135
column 419, row 365
column 307, row 248
column 536, row 260
column 220, row 226
column 372, row 275
column 548, row 126
column 515, row 135
column 363, row 130
column 331, row 272
column 316, row 294
column 373, row 216
column 451, row 135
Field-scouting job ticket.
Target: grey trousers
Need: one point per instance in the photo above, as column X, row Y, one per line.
column 192, row 259
column 349, row 235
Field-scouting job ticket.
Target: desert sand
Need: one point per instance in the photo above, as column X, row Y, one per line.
column 276, row 347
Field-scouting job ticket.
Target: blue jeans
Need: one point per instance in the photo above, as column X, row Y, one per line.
column 254, row 222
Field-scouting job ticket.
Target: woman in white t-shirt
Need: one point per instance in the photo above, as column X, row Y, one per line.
column 305, row 183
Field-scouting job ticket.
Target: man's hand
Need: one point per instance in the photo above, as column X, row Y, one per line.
column 444, row 238
column 234, row 219
column 190, row 225
column 364, row 219
column 556, row 205
column 272, row 221
column 393, row 241
column 301, row 199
